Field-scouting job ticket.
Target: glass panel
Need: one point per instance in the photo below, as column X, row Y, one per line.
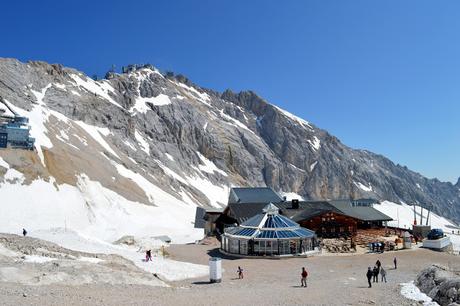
column 261, row 247
column 275, row 247
column 234, row 246
column 269, row 222
column 284, row 246
column 243, row 247
column 246, row 232
column 256, row 247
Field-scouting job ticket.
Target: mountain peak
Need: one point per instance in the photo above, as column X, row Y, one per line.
column 148, row 131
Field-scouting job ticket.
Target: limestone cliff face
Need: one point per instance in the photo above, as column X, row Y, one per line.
column 193, row 142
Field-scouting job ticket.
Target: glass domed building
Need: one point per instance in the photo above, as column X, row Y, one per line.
column 268, row 234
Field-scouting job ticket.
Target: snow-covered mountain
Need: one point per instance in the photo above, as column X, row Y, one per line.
column 136, row 152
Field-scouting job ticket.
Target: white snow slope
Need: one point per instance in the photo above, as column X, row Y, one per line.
column 403, row 217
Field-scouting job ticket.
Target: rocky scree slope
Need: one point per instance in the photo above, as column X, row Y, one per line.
column 141, row 129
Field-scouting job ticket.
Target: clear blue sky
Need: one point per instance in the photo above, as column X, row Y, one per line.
column 380, row 75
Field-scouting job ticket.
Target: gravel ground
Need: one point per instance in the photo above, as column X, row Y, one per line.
column 333, row 280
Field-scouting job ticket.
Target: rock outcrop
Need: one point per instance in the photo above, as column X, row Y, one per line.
column 440, row 283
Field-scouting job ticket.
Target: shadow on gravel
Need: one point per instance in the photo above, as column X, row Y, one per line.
column 216, row 253
column 202, row 283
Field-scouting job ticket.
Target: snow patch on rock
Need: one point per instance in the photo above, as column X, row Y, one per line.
column 412, row 292
column 96, row 133
column 293, row 117
column 142, row 142
column 363, row 187
column 101, row 88
column 208, row 166
column 315, row 143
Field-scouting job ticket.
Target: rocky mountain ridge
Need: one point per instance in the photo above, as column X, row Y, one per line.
column 143, row 133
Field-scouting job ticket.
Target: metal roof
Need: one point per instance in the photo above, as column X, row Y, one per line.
column 269, row 225
column 364, row 213
column 253, row 195
column 308, row 209
column 199, row 214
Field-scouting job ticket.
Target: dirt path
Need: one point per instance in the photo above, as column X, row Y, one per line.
column 332, row 281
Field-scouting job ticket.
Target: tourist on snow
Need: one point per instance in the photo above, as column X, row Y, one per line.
column 395, row 262
column 24, row 232
column 369, row 275
column 240, row 272
column 384, row 274
column 148, row 255
column 375, row 273
column 304, row 274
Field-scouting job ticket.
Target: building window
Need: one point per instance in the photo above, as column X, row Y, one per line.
column 244, row 247
column 234, row 246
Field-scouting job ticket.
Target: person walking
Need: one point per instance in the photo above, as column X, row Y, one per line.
column 375, row 273
column 395, row 262
column 240, row 273
column 369, row 276
column 24, row 232
column 384, row 274
column 304, row 274
column 378, row 264
column 148, row 255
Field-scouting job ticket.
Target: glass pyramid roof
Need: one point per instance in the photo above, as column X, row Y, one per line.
column 270, row 225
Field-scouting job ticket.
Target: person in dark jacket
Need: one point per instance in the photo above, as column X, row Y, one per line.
column 378, row 264
column 369, row 275
column 375, row 273
column 240, row 272
column 24, row 232
column 148, row 255
column 395, row 262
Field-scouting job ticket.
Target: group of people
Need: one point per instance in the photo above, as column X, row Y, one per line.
column 377, row 247
column 373, row 274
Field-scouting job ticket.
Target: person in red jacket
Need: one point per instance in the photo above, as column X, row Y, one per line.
column 304, row 274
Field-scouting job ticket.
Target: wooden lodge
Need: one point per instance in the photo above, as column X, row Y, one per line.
column 329, row 219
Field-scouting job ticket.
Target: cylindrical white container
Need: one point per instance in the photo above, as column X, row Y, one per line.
column 215, row 270
column 407, row 240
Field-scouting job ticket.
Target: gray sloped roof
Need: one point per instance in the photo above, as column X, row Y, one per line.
column 307, row 210
column 199, row 214
column 363, row 213
column 243, row 211
column 253, row 195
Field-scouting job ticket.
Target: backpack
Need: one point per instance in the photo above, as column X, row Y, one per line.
column 304, row 273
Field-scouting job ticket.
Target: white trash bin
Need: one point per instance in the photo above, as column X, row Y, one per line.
column 215, row 269
column 407, row 240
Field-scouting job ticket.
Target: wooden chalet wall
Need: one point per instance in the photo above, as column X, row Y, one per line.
column 330, row 224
